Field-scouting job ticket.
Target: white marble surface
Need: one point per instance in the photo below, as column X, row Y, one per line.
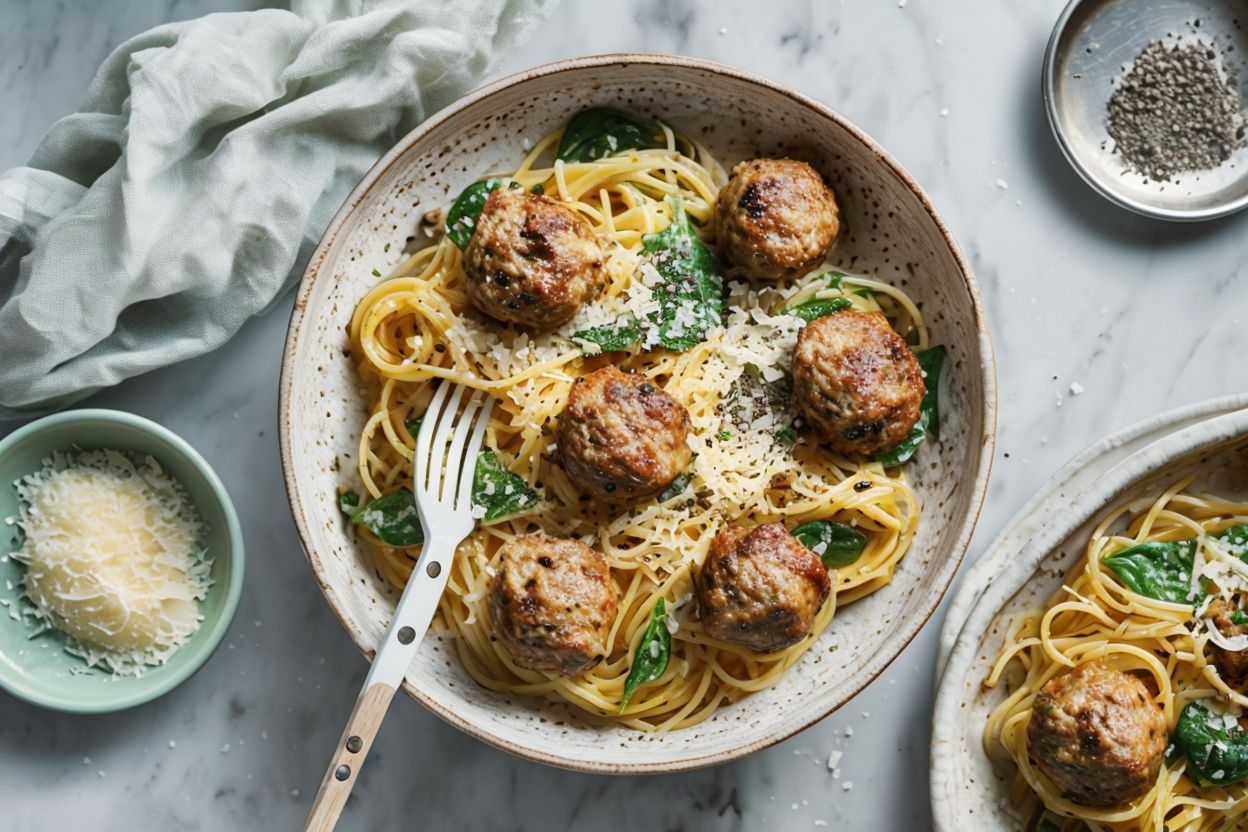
column 1143, row 315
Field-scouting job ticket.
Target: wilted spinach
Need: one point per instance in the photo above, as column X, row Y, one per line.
column 930, row 361
column 835, row 543
column 653, row 653
column 678, row 486
column 812, row 309
column 611, row 337
column 461, row 220
column 500, row 492
column 392, row 518
column 691, row 297
column 1216, row 747
column 1162, row 571
column 601, row 131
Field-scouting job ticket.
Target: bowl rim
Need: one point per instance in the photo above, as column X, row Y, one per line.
column 953, row 557
column 1048, row 85
column 1018, row 568
column 163, row 680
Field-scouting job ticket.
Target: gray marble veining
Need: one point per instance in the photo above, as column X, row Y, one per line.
column 1139, row 315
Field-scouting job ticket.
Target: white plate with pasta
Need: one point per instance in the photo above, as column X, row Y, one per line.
column 1095, row 684
column 744, row 408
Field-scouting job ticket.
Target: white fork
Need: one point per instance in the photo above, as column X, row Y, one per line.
column 446, row 454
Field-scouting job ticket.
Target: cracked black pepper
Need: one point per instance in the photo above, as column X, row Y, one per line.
column 1175, row 111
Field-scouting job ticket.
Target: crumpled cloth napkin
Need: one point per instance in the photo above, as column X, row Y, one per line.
column 207, row 157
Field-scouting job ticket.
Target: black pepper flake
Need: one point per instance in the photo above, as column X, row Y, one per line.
column 862, row 485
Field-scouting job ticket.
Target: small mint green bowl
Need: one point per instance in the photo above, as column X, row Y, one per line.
column 38, row 669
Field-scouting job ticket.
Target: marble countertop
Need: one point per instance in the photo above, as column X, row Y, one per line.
column 1139, row 315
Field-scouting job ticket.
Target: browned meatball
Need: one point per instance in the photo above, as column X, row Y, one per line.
column 760, row 587
column 553, row 604
column 776, row 219
column 857, row 382
column 621, row 437
column 1232, row 665
column 1098, row 735
column 531, row 261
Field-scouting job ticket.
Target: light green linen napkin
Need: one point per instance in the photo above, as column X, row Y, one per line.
column 193, row 183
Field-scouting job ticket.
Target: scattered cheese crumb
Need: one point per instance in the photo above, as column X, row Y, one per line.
column 1076, row 388
column 1003, row 185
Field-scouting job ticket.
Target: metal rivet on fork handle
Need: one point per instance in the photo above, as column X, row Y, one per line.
column 342, row 772
column 433, row 569
column 406, row 634
column 354, row 744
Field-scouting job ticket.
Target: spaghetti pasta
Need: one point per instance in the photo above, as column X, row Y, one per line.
column 1096, row 616
column 415, row 327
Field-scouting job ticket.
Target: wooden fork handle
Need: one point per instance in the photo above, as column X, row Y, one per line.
column 353, row 746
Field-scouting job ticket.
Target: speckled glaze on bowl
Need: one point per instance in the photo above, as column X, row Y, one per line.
column 892, row 231
column 968, row 792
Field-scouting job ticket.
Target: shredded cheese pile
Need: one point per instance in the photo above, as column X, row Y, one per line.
column 113, row 560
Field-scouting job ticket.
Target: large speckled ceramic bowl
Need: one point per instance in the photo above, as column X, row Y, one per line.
column 892, row 232
column 1029, row 563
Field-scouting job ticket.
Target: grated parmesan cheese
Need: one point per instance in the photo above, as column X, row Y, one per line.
column 113, row 558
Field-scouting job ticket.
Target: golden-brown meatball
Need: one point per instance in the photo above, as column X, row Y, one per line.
column 760, row 587
column 621, row 437
column 857, row 382
column 1098, row 734
column 775, row 219
column 531, row 261
column 553, row 604
column 1232, row 665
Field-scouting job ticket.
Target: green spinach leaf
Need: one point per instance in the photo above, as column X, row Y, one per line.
column 500, row 492
column 601, row 131
column 1216, row 747
column 678, row 486
column 461, row 220
column 653, row 653
column 392, row 518
column 930, row 361
column 611, row 337
column 1162, row 571
column 691, row 296
column 812, row 309
column 835, row 543
column 785, row 437
column 833, row 279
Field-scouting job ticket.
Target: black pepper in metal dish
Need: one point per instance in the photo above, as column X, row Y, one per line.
column 1175, row 110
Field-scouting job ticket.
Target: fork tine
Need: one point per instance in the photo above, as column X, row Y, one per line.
column 446, row 422
column 455, row 457
column 466, row 475
column 425, row 436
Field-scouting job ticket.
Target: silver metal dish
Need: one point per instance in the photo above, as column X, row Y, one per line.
column 1093, row 44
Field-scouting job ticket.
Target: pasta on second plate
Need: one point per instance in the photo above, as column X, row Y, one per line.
column 1125, row 694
